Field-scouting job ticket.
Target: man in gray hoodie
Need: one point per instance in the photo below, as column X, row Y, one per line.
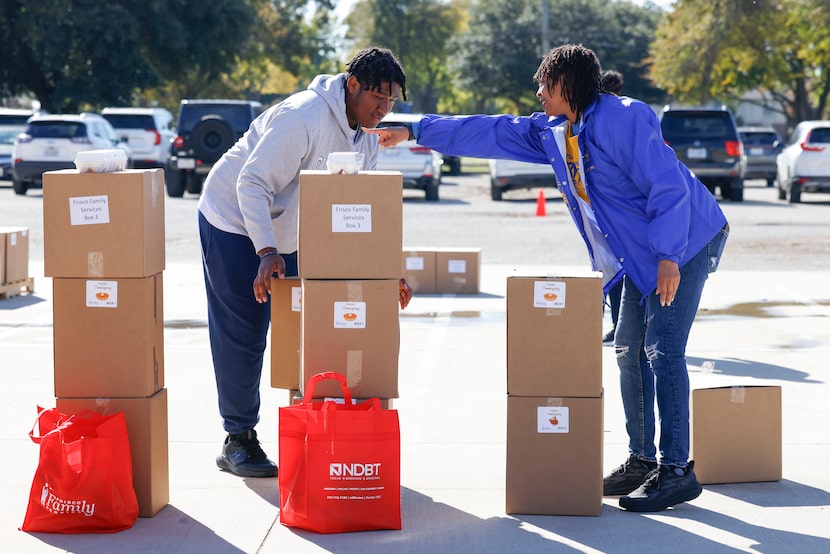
column 248, row 227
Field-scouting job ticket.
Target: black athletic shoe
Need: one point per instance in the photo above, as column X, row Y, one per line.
column 664, row 487
column 242, row 455
column 627, row 477
column 609, row 337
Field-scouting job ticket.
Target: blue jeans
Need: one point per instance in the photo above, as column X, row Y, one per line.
column 237, row 323
column 650, row 343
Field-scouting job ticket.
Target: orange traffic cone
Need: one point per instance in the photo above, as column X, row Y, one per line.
column 541, row 204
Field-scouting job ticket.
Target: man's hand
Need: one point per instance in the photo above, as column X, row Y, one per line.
column 668, row 279
column 404, row 293
column 389, row 136
column 268, row 266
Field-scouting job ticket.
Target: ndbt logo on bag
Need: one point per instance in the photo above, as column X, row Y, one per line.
column 56, row 505
column 339, row 471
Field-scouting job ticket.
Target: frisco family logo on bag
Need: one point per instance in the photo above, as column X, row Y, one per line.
column 339, row 471
column 56, row 505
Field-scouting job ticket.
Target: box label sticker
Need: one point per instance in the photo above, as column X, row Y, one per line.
column 89, row 210
column 13, row 239
column 296, row 299
column 415, row 263
column 350, row 315
column 552, row 419
column 457, row 266
column 549, row 294
column 351, row 218
column 102, row 294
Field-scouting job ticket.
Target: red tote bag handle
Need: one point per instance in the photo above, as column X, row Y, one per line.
column 309, row 391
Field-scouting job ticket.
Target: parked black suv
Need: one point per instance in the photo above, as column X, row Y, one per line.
column 206, row 130
column 706, row 140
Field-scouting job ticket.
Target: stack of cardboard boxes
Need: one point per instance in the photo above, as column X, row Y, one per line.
column 14, row 261
column 341, row 315
column 442, row 270
column 104, row 249
column 554, row 402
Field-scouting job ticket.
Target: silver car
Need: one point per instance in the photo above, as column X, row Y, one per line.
column 762, row 146
column 419, row 165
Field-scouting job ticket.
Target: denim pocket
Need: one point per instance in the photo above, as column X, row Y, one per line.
column 715, row 248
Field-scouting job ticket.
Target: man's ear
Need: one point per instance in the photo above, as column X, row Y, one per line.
column 352, row 84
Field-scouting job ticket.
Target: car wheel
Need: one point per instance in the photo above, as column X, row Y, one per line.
column 771, row 182
column 20, row 187
column 495, row 191
column 211, row 138
column 736, row 190
column 431, row 191
column 782, row 193
column 174, row 180
column 453, row 165
column 194, row 183
column 795, row 193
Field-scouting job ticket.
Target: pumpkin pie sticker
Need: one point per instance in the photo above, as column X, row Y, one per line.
column 102, row 294
column 552, row 419
column 350, row 315
column 549, row 294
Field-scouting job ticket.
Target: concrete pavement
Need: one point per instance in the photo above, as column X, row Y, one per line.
column 754, row 328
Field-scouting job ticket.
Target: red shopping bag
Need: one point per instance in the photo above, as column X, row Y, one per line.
column 84, row 478
column 340, row 464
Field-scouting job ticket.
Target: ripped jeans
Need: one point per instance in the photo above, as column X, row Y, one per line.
column 650, row 343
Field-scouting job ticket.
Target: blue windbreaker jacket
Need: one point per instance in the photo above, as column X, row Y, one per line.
column 649, row 206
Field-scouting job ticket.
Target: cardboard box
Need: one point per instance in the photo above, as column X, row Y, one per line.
column 350, row 226
column 419, row 270
column 736, row 434
column 286, row 295
column 554, row 456
column 14, row 254
column 108, row 337
column 458, row 271
column 297, row 398
column 352, row 328
column 103, row 224
column 147, row 429
column 554, row 336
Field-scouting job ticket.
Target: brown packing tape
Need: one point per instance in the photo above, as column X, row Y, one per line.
column 354, row 291
column 554, row 401
column 354, row 367
column 738, row 395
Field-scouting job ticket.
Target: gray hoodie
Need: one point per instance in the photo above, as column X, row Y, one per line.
column 253, row 190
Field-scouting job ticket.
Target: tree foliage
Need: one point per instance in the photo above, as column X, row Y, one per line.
column 418, row 32
column 716, row 50
column 496, row 56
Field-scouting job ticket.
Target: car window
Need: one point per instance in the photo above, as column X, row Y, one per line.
column 759, row 138
column 819, row 134
column 238, row 117
column 19, row 120
column 56, row 129
column 699, row 125
column 7, row 137
column 131, row 121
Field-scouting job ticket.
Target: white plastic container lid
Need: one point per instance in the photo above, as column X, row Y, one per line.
column 345, row 162
column 101, row 161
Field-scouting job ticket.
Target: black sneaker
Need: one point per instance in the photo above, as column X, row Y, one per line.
column 242, row 455
column 609, row 337
column 664, row 487
column 627, row 477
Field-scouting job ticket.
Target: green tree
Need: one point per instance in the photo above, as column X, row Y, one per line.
column 418, row 32
column 712, row 50
column 496, row 56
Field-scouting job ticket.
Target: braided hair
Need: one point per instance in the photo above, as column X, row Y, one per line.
column 373, row 66
column 612, row 81
column 577, row 69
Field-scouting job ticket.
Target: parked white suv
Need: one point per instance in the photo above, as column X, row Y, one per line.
column 51, row 142
column 804, row 163
column 147, row 131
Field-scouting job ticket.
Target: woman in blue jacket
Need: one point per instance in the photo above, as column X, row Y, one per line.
column 645, row 218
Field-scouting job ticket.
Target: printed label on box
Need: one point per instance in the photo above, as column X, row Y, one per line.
column 351, row 218
column 89, row 210
column 552, row 419
column 102, row 294
column 549, row 294
column 296, row 299
column 13, row 239
column 350, row 315
column 415, row 263
column 457, row 266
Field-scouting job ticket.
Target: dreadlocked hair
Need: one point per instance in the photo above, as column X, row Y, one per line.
column 577, row 69
column 373, row 66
